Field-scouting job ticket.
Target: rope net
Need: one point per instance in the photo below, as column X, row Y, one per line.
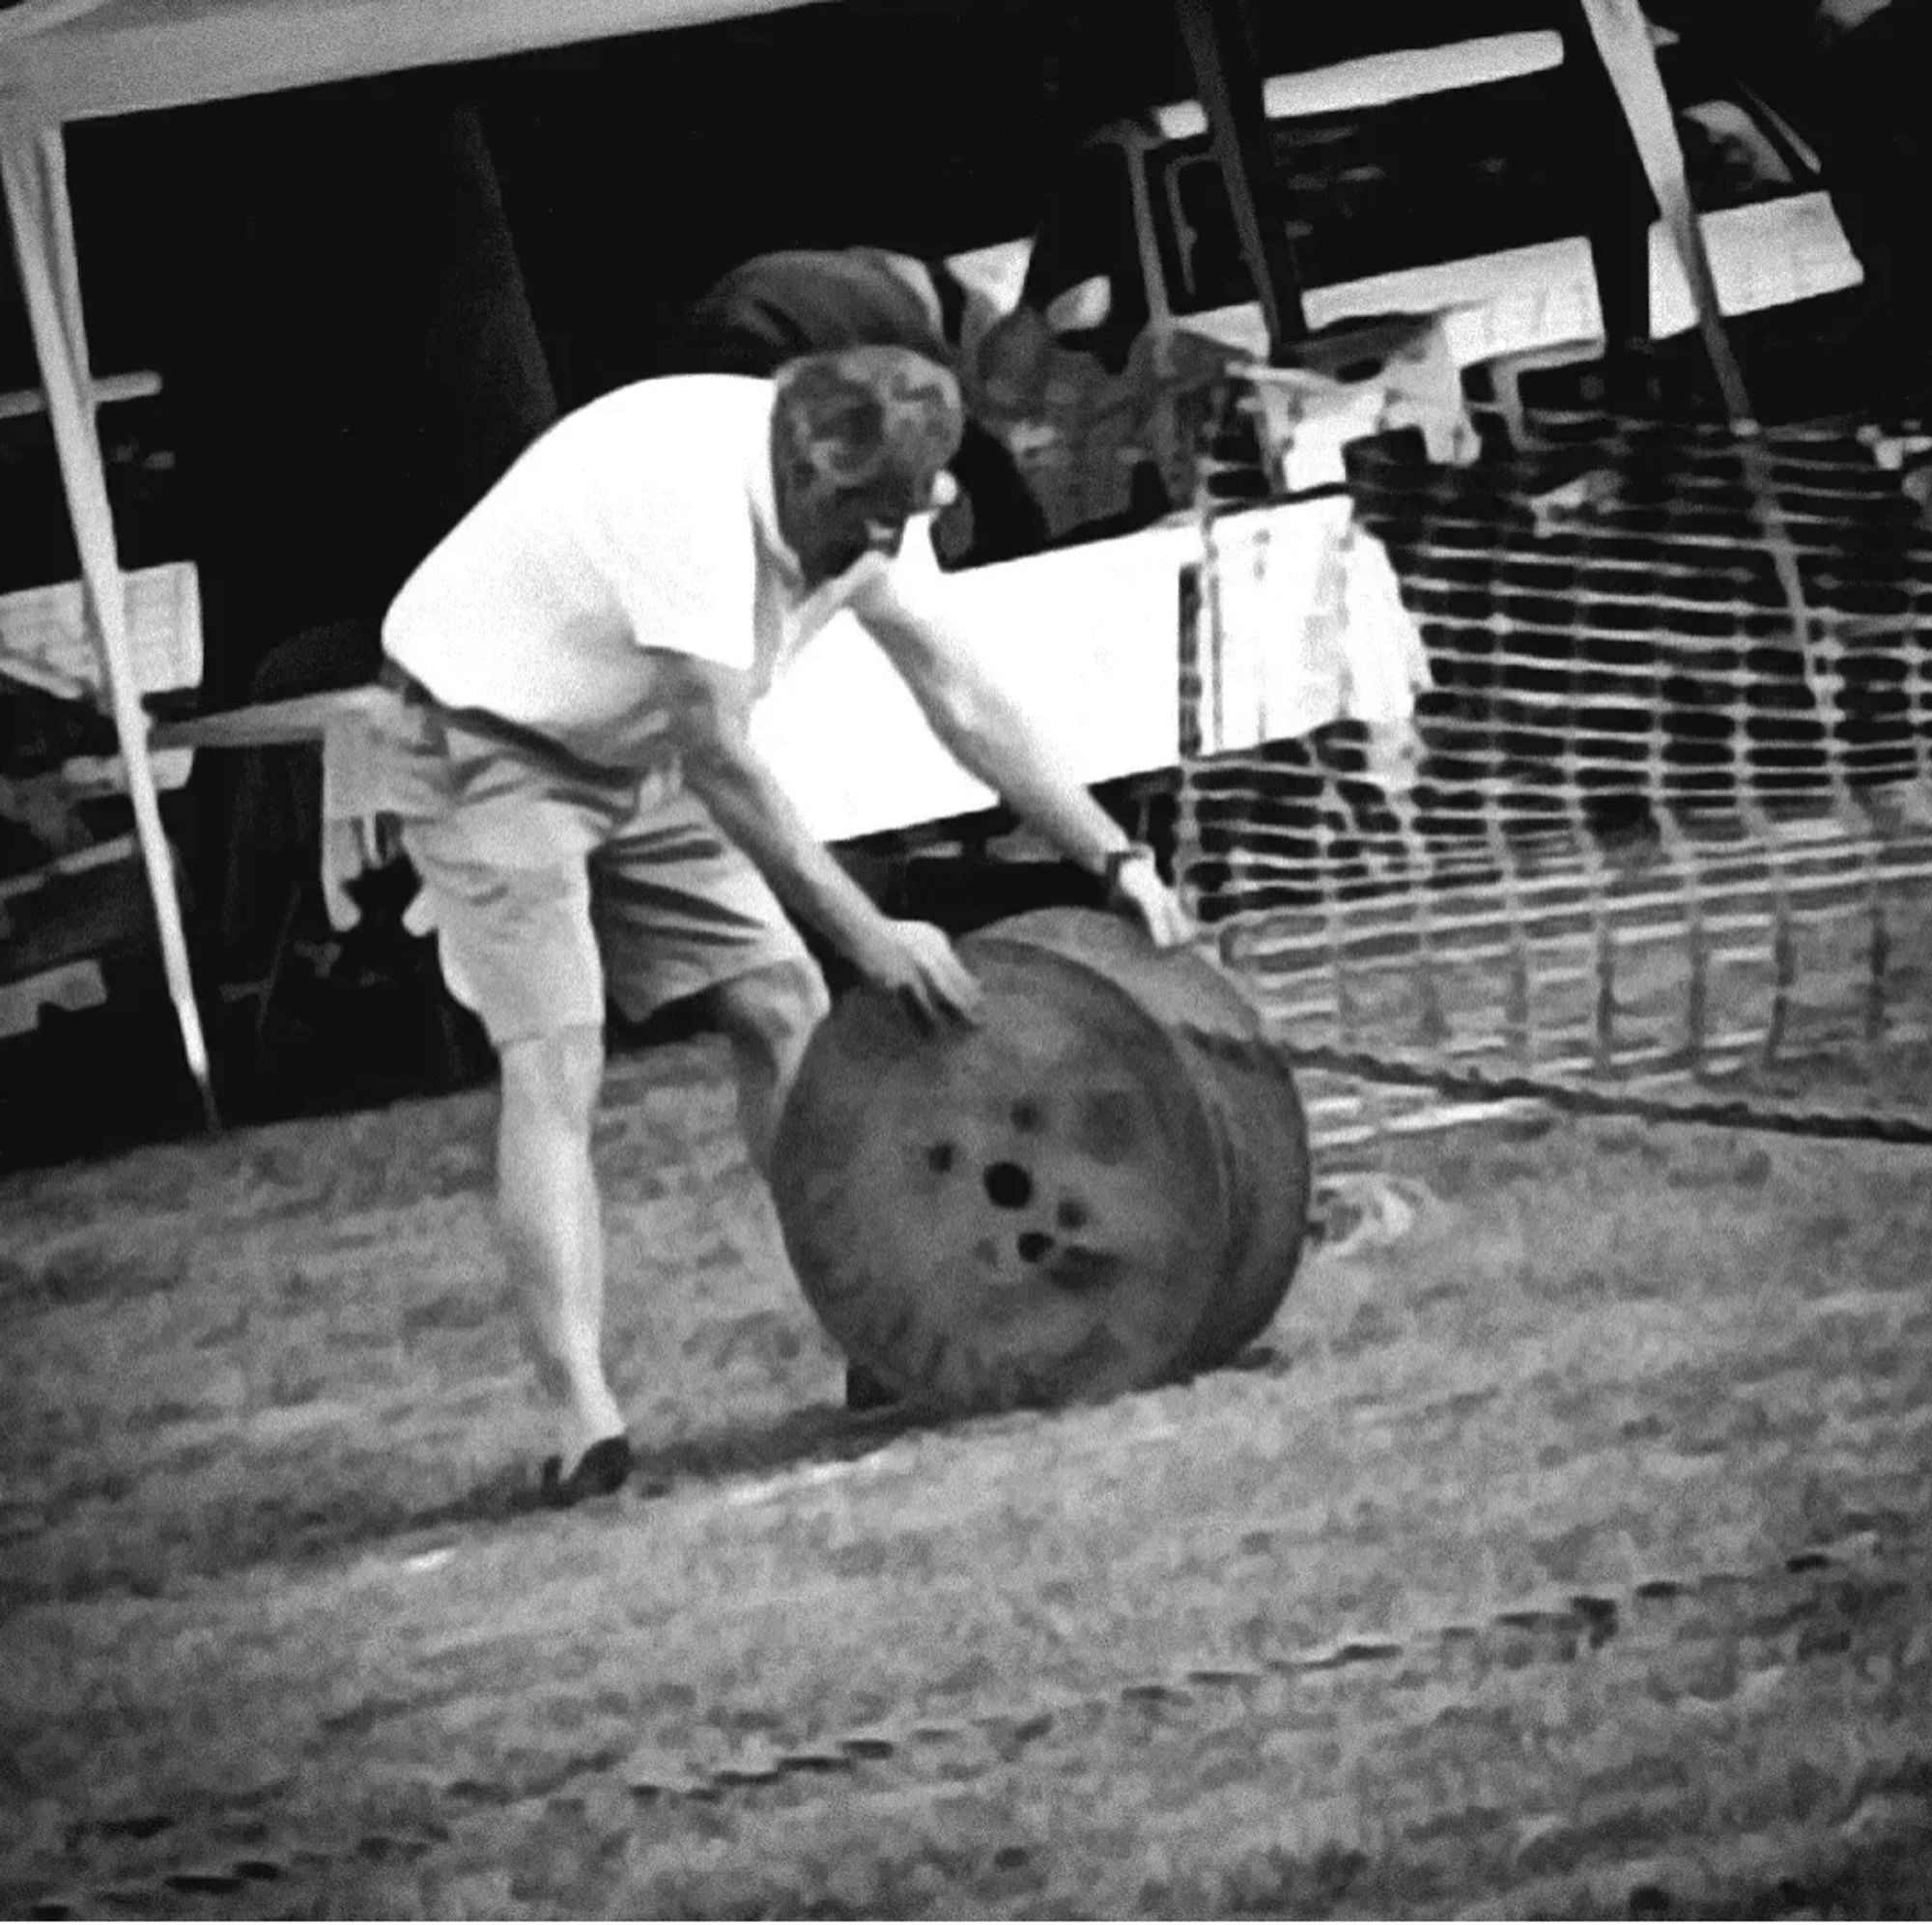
column 1671, row 810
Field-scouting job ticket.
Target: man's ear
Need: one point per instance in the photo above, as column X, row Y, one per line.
column 798, row 492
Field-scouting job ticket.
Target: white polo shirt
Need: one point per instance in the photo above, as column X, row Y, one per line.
column 642, row 521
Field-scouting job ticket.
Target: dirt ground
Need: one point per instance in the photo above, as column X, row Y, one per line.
column 1565, row 1555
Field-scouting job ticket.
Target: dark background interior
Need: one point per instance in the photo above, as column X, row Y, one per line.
column 298, row 268
column 364, row 298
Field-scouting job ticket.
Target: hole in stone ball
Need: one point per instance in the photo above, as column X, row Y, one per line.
column 1009, row 1185
column 1071, row 1213
column 1026, row 1114
column 939, row 1158
column 1033, row 1245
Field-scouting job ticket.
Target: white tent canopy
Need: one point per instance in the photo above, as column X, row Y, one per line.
column 62, row 61
column 74, row 60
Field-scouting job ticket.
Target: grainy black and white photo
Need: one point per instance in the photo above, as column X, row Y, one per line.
column 965, row 959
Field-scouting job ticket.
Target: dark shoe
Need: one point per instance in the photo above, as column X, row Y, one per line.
column 600, row 1472
column 865, row 1392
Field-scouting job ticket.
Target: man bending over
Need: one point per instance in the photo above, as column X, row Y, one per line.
column 565, row 753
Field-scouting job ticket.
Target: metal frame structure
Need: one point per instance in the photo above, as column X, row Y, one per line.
column 68, row 61
column 65, row 61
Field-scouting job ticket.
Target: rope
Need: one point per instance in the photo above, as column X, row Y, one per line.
column 1276, row 1055
column 1504, row 1086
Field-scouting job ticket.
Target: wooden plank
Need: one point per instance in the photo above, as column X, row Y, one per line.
column 47, row 635
column 264, row 724
column 1381, row 80
column 136, row 56
column 95, row 856
column 73, row 986
column 21, row 402
column 86, row 775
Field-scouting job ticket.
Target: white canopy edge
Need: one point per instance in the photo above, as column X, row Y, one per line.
column 1380, row 79
column 64, row 60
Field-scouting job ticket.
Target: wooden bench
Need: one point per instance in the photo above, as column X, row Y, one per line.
column 86, row 904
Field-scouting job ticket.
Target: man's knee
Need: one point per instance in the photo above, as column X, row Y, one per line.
column 775, row 1008
column 555, row 1076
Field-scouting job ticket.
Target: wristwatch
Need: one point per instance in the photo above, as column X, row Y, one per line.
column 1119, row 859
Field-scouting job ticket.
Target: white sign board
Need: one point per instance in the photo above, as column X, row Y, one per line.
column 1086, row 640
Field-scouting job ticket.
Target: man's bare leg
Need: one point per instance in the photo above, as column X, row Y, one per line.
column 768, row 1016
column 552, row 1227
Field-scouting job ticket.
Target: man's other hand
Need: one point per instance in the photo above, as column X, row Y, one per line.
column 1140, row 889
column 916, row 964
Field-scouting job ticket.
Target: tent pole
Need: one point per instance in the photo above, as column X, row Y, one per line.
column 41, row 218
column 1629, row 57
column 1227, row 69
column 1624, row 44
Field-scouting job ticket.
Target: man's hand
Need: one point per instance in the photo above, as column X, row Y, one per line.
column 1139, row 888
column 916, row 964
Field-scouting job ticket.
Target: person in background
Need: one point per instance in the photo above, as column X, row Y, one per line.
column 777, row 306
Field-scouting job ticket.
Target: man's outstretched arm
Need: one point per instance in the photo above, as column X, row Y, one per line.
column 710, row 707
column 992, row 737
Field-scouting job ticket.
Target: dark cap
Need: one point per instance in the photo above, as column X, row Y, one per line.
column 868, row 420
